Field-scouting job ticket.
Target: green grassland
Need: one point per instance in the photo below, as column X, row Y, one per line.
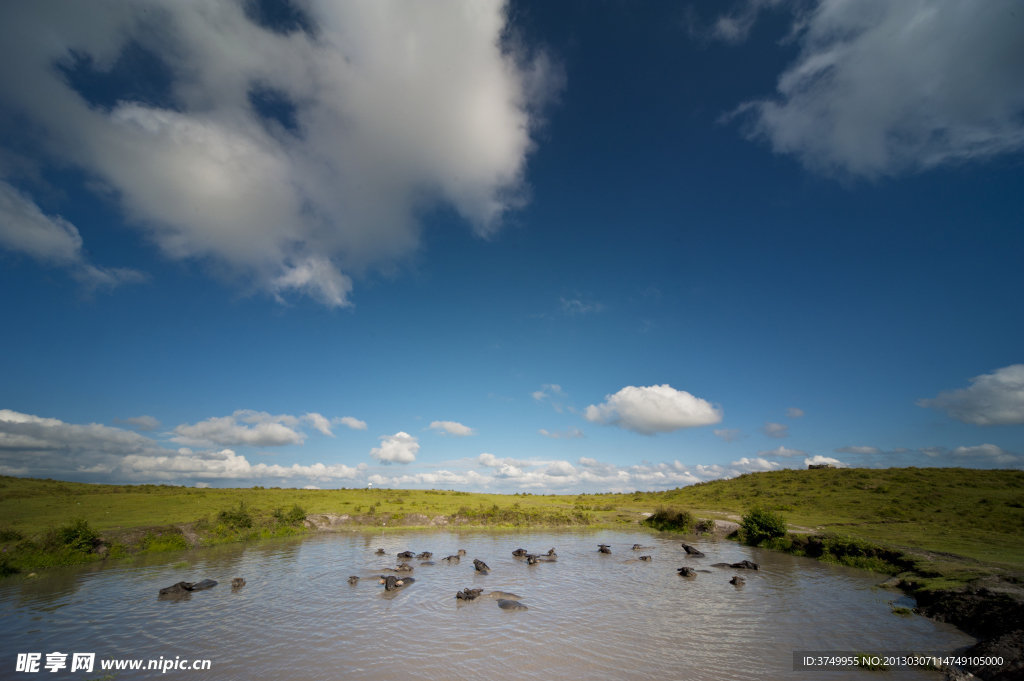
column 958, row 524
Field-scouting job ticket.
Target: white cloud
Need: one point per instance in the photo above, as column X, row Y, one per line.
column 266, row 430
column 795, row 413
column 574, row 306
column 491, row 461
column 48, row 447
column 654, row 409
column 547, row 390
column 226, row 464
column 144, row 423
column 318, row 422
column 398, row 448
column 859, row 450
column 452, row 428
column 783, row 451
column 989, row 453
column 995, row 399
column 817, row 459
column 728, row 434
column 883, row 87
column 397, row 107
column 353, row 423
column 310, row 487
column 52, row 240
column 560, row 469
column 777, row 430
column 568, row 434
column 202, row 485
column 735, row 26
column 755, row 465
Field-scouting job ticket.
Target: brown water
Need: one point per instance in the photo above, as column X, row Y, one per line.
column 590, row 616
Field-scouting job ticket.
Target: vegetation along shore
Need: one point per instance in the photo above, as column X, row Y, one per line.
column 951, row 537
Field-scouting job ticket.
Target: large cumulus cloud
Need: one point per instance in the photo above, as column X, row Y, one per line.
column 882, row 87
column 992, row 400
column 654, row 409
column 377, row 111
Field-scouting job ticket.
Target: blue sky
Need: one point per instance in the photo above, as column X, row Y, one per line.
column 538, row 246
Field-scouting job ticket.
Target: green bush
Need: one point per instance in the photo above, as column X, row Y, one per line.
column 10, row 534
column 760, row 524
column 296, row 515
column 76, row 535
column 236, row 517
column 671, row 519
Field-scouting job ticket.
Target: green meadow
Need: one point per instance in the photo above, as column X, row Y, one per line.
column 954, row 525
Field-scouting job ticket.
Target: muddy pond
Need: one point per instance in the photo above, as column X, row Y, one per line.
column 590, row 615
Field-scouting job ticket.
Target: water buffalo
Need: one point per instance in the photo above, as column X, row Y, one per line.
column 461, row 552
column 519, row 553
column 637, row 547
column 405, row 555
column 237, row 583
column 481, row 566
column 353, row 579
column 500, row 595
column 646, row 559
column 551, row 554
column 451, row 559
column 392, row 583
column 186, row 587
column 381, row 552
column 426, row 555
column 505, row 604
column 468, row 594
column 687, row 572
column 737, row 581
column 742, row 565
column 692, row 551
column 604, row 548
column 404, row 567
column 532, row 559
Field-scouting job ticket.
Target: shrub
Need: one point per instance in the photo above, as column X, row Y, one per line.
column 236, row 517
column 671, row 519
column 760, row 524
column 10, row 534
column 296, row 515
column 76, row 535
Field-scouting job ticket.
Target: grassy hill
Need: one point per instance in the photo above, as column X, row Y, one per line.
column 977, row 514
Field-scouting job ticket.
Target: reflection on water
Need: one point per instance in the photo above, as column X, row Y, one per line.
column 590, row 615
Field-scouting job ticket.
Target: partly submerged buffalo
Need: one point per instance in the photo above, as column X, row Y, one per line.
column 604, row 548
column 481, row 566
column 353, row 579
column 519, row 553
column 187, row 587
column 237, row 583
column 451, row 559
column 742, row 565
column 687, row 572
column 737, row 581
column 468, row 594
column 506, row 604
column 381, row 552
column 391, row 583
column 426, row 555
column 646, row 559
column 692, row 551
column 405, row 555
